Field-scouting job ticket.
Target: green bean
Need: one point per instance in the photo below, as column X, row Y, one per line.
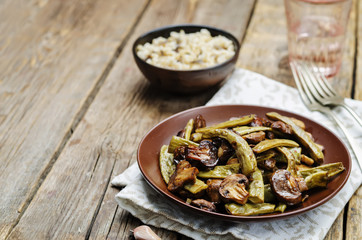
column 167, row 165
column 256, row 187
column 196, row 187
column 332, row 169
column 317, row 179
column 221, row 171
column 265, row 155
column 229, row 124
column 178, row 142
column 297, row 152
column 302, row 136
column 291, row 160
column 189, row 128
column 242, row 149
column 273, row 143
column 319, row 176
column 281, row 207
column 246, row 129
column 249, row 209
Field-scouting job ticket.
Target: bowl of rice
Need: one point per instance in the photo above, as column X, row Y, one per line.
column 186, row 58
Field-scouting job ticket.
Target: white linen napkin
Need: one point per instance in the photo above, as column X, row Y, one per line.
column 245, row 87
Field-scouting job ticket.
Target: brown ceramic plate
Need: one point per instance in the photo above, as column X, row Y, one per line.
column 148, row 154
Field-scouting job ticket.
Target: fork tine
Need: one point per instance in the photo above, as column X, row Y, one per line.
column 308, row 79
column 303, row 88
column 315, row 78
column 324, row 83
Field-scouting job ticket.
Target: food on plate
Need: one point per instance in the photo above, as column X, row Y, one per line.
column 187, row 51
column 245, row 166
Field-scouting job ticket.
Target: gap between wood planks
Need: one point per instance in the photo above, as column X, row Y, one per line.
column 78, row 117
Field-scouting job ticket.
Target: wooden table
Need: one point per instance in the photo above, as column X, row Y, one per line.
column 74, row 106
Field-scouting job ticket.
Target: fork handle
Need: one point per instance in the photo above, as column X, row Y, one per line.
column 352, row 112
column 352, row 142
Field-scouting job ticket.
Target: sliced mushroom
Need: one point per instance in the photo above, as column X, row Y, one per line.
column 254, row 137
column 199, row 122
column 212, row 190
column 234, row 187
column 205, row 155
column 268, row 164
column 184, row 174
column 286, row 187
column 224, row 149
column 181, row 133
column 258, row 122
column 204, row 204
column 179, row 154
column 282, row 127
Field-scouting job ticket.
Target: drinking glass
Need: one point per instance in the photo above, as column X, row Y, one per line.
column 316, row 32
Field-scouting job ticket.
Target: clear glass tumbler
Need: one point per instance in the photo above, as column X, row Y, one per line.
column 316, row 32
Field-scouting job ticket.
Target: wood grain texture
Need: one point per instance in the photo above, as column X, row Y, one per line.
column 358, row 77
column 336, row 231
column 353, row 221
column 75, row 200
column 343, row 82
column 74, row 106
column 53, row 55
column 265, row 48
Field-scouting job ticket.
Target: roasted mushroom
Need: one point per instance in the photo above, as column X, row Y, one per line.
column 224, row 149
column 179, row 154
column 212, row 190
column 286, row 187
column 204, row 204
column 184, row 174
column 199, row 122
column 234, row 187
column 181, row 133
column 282, row 127
column 205, row 155
column 258, row 122
column 268, row 164
column 255, row 137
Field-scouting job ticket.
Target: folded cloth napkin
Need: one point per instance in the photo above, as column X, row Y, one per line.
column 244, row 87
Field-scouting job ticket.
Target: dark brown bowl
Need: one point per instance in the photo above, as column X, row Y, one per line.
column 185, row 81
column 149, row 148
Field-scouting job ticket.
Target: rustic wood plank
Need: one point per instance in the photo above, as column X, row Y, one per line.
column 265, row 51
column 354, row 213
column 106, row 139
column 358, row 77
column 265, row 48
column 343, row 82
column 53, row 54
column 336, row 231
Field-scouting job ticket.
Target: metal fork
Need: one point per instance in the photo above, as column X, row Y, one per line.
column 326, row 95
column 307, row 93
